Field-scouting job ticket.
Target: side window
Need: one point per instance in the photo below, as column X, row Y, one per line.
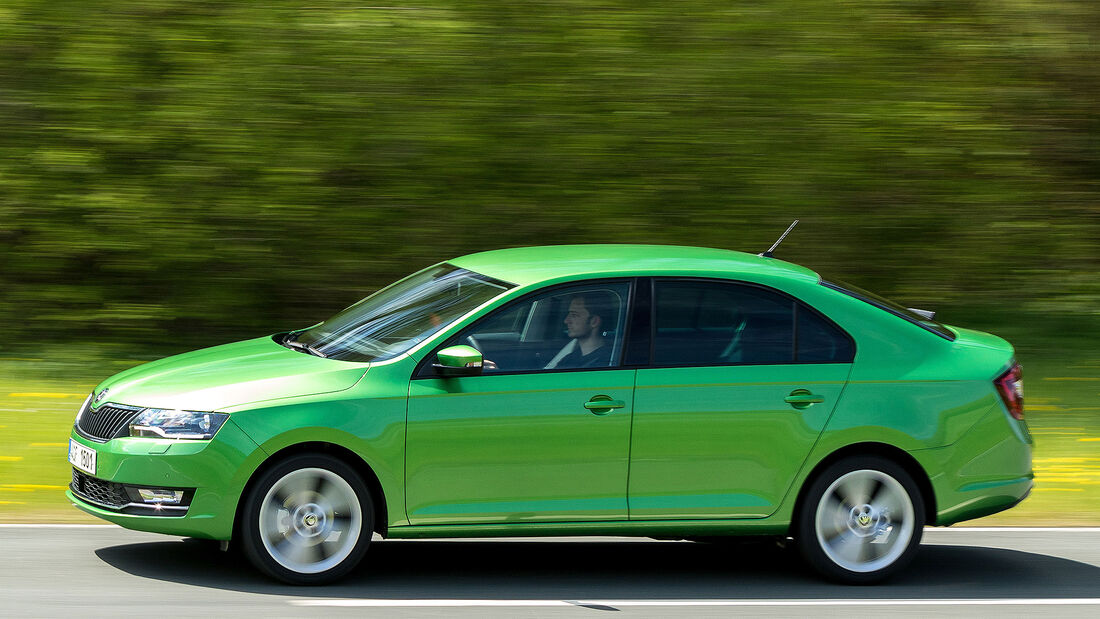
column 821, row 342
column 505, row 324
column 564, row 328
column 715, row 323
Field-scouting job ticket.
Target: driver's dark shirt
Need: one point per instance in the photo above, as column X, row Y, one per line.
column 601, row 357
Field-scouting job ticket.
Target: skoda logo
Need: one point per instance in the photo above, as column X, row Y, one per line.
column 99, row 398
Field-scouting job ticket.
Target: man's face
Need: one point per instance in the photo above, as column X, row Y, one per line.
column 578, row 322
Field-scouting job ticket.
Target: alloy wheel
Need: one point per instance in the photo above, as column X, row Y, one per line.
column 864, row 521
column 310, row 520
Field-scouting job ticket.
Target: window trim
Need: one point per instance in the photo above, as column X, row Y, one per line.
column 794, row 326
column 423, row 371
column 641, row 307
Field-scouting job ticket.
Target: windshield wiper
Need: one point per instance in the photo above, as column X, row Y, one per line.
column 289, row 342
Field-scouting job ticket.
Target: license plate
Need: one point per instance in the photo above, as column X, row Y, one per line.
column 81, row 457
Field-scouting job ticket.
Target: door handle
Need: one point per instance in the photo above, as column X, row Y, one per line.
column 602, row 404
column 802, row 398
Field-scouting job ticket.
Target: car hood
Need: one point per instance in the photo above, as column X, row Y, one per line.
column 229, row 375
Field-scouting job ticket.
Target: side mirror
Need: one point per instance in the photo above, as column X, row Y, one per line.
column 458, row 360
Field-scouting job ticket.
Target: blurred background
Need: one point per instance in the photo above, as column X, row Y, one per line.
column 181, row 173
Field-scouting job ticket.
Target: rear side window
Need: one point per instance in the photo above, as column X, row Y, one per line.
column 701, row 322
column 711, row 323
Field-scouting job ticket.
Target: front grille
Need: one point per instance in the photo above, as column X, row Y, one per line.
column 107, row 422
column 106, row 493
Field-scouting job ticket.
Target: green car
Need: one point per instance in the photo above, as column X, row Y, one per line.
column 668, row 392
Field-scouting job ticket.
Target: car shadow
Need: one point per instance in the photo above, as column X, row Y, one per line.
column 596, row 570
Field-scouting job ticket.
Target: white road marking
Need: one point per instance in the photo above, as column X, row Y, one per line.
column 935, row 529
column 385, row 603
column 430, row 603
column 59, row 526
column 1014, row 529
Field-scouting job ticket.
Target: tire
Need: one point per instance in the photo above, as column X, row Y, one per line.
column 307, row 521
column 861, row 520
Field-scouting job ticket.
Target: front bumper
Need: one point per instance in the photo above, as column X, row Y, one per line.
column 126, row 498
column 212, row 473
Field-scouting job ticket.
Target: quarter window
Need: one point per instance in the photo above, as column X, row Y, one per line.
column 820, row 341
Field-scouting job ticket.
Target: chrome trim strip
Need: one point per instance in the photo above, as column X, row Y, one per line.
column 153, row 506
column 87, row 499
column 149, row 506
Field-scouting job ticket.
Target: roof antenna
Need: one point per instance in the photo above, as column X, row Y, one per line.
column 768, row 254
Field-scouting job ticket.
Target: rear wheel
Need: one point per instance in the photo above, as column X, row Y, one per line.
column 307, row 520
column 861, row 520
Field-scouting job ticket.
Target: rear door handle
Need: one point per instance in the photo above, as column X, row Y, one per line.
column 802, row 398
column 602, row 404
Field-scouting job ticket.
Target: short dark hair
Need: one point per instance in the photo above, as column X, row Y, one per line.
column 600, row 303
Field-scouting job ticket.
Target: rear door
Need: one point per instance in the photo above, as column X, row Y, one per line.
column 742, row 381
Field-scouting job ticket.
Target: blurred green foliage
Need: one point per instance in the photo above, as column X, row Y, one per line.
column 183, row 172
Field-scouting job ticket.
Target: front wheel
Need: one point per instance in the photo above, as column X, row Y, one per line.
column 307, row 520
column 861, row 520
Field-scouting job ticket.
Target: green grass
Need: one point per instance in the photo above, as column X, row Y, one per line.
column 1060, row 402
column 39, row 398
column 1060, row 355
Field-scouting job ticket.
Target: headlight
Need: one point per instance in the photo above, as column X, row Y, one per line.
column 83, row 408
column 163, row 423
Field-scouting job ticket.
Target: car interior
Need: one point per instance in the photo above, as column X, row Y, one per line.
column 529, row 334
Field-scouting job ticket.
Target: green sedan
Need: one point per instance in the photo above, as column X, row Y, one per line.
column 669, row 392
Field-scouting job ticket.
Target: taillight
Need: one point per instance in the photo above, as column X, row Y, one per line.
column 1011, row 387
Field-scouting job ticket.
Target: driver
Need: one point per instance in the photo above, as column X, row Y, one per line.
column 589, row 313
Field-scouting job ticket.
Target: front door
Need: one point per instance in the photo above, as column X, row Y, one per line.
column 544, row 433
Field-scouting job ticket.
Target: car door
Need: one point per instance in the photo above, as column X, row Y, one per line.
column 536, row 437
column 734, row 400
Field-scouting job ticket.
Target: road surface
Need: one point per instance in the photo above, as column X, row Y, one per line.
column 94, row 571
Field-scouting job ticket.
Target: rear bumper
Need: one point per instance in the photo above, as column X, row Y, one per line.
column 985, row 501
column 213, row 473
column 986, row 471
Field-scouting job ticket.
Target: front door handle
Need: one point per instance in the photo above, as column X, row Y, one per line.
column 802, row 398
column 603, row 404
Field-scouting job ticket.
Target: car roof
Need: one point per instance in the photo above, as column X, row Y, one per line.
column 531, row 265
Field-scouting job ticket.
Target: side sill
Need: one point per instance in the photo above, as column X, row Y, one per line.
column 632, row 528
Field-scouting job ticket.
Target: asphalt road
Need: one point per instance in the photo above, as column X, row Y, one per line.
column 79, row 572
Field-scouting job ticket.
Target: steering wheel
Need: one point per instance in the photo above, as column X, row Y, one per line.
column 472, row 342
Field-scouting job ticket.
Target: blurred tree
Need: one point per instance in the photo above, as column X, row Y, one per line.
column 227, row 169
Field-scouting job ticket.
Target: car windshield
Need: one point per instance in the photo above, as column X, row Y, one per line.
column 894, row 308
column 400, row 316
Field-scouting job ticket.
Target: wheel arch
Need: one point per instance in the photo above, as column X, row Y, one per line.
column 895, row 454
column 339, row 452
